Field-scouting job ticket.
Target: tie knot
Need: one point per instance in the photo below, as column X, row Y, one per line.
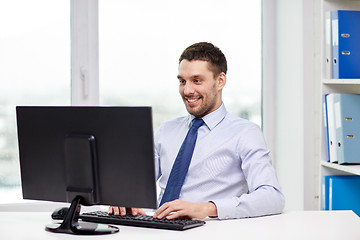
column 197, row 122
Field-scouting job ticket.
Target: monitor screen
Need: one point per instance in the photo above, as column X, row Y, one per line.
column 104, row 155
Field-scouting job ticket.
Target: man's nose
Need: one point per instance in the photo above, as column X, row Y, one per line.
column 188, row 89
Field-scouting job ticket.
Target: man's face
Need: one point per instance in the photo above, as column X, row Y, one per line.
column 199, row 89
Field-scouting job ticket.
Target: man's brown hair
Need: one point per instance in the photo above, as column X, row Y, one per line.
column 206, row 52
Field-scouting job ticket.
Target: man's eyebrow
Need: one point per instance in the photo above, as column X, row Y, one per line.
column 191, row 77
column 196, row 76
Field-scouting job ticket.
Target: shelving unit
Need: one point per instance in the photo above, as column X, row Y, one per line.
column 329, row 85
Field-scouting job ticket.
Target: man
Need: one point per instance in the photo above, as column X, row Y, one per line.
column 230, row 174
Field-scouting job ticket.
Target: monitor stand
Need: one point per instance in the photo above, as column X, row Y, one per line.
column 71, row 225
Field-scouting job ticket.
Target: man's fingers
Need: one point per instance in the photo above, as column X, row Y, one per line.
column 122, row 211
column 183, row 209
column 160, row 210
column 141, row 211
column 166, row 209
column 113, row 210
column 110, row 211
column 133, row 211
column 136, row 211
column 173, row 215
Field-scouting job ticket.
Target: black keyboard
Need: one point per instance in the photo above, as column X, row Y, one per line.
column 140, row 221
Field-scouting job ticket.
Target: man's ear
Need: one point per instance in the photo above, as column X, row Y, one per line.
column 221, row 80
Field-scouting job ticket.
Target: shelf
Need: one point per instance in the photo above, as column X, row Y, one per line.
column 337, row 1
column 351, row 169
column 341, row 81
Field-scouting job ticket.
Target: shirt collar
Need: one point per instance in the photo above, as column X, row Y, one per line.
column 214, row 118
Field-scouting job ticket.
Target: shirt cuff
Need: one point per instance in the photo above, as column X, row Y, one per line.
column 225, row 207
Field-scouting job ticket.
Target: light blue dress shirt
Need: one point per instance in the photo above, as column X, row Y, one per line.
column 230, row 166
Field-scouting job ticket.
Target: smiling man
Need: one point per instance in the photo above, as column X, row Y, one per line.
column 228, row 173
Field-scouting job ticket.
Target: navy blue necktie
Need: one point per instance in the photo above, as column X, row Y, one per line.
column 181, row 164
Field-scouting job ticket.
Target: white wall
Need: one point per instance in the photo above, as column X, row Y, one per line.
column 289, row 127
column 289, row 101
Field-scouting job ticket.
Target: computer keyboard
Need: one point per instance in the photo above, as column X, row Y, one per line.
column 141, row 221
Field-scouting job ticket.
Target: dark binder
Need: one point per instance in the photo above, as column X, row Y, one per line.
column 345, row 43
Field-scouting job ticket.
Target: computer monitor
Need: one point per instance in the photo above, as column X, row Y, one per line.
column 87, row 156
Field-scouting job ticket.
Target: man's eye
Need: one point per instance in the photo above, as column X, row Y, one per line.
column 182, row 81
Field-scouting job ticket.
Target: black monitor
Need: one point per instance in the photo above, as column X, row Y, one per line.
column 87, row 156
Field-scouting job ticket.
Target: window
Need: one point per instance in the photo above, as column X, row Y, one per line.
column 34, row 70
column 140, row 43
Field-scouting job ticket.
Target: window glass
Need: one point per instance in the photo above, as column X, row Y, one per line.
column 34, row 70
column 140, row 43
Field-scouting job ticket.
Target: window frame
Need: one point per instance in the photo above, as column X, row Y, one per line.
column 84, row 53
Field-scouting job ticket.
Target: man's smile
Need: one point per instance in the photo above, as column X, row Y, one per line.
column 192, row 100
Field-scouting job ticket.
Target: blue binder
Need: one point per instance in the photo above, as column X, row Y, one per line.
column 345, row 43
column 347, row 123
column 341, row 193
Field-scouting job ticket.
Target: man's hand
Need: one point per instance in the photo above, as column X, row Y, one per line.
column 182, row 209
column 123, row 211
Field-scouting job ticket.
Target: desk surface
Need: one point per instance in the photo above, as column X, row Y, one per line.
column 304, row 225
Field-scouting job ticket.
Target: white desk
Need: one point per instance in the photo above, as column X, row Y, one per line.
column 304, row 225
